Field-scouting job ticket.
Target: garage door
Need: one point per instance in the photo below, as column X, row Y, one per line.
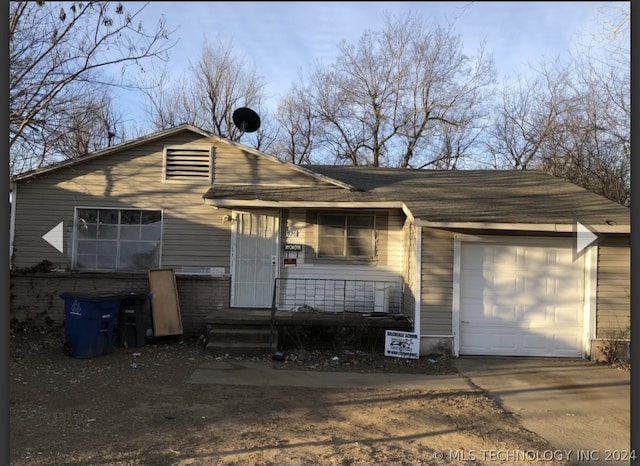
column 523, row 299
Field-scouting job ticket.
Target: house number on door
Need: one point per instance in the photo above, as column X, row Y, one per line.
column 292, row 233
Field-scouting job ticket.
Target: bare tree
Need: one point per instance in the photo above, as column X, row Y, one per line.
column 605, row 77
column 265, row 138
column 528, row 113
column 584, row 153
column 208, row 94
column 297, row 127
column 60, row 54
column 221, row 84
column 88, row 126
column 457, row 145
column 397, row 97
column 168, row 104
column 573, row 120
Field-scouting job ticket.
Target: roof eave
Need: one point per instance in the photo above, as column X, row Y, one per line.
column 237, row 203
column 541, row 227
column 112, row 149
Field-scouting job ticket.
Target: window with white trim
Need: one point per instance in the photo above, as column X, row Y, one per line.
column 191, row 163
column 117, row 240
column 346, row 236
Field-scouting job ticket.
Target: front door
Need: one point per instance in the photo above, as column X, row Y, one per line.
column 255, row 258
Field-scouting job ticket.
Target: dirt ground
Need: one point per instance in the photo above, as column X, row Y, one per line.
column 135, row 406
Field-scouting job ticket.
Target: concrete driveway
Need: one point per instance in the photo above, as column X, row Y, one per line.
column 575, row 404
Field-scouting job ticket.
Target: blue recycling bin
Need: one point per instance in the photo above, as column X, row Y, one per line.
column 89, row 322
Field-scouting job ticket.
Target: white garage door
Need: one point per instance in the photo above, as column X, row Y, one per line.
column 523, row 299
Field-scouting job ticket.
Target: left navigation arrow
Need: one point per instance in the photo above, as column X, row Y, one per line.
column 54, row 237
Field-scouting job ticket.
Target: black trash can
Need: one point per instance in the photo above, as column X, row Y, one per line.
column 89, row 323
column 133, row 320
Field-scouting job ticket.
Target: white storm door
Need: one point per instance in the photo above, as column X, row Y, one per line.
column 255, row 259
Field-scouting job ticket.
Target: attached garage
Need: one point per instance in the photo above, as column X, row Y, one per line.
column 521, row 297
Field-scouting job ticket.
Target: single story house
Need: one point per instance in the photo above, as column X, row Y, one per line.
column 483, row 262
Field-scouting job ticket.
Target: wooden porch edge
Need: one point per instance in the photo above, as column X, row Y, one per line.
column 262, row 317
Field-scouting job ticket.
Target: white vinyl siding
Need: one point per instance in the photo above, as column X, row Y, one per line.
column 194, row 234
column 614, row 286
column 191, row 163
column 234, row 166
column 436, row 285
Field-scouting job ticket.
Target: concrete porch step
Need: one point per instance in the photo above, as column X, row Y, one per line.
column 239, row 348
column 241, row 341
column 253, row 335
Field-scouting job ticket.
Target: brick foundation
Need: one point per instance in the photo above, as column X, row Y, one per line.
column 36, row 297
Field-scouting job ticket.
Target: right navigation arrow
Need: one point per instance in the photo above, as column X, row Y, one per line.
column 585, row 237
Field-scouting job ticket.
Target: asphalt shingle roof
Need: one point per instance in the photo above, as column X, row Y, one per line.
column 497, row 196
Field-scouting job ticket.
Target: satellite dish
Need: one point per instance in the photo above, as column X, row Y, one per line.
column 246, row 120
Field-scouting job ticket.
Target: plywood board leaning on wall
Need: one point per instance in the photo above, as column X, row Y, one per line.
column 165, row 306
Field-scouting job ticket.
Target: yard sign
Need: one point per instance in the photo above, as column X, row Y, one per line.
column 402, row 344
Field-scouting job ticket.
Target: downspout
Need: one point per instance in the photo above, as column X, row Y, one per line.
column 12, row 222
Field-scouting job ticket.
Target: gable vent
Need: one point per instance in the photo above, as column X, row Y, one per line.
column 187, row 163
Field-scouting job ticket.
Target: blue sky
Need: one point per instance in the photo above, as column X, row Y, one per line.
column 281, row 39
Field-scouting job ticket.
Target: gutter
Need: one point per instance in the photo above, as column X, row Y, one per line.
column 12, row 222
